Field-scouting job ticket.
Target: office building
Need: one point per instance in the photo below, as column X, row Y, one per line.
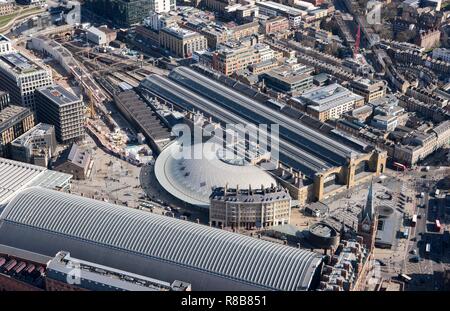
column 292, row 80
column 4, row 100
column 328, row 102
column 6, row 7
column 369, row 89
column 151, row 245
column 20, row 76
column 36, row 146
column 271, row 8
column 128, row 12
column 228, row 60
column 274, row 25
column 249, row 208
column 14, row 121
column 182, row 42
column 161, row 6
column 5, row 45
column 64, row 110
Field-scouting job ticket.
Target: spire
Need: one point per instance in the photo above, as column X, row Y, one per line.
column 369, row 209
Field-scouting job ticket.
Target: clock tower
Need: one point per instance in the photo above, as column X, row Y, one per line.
column 368, row 221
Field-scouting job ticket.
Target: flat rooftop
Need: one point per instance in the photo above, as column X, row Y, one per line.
column 37, row 131
column 58, row 95
column 290, row 74
column 19, row 63
column 10, row 115
column 179, row 32
column 281, row 8
column 103, row 276
column 327, row 97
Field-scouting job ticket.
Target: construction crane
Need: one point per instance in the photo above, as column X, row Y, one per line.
column 91, row 107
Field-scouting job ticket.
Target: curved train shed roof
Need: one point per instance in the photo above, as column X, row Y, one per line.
column 46, row 221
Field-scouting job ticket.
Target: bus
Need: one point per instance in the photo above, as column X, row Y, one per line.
column 428, row 248
column 438, row 225
column 405, row 278
column 414, row 220
column 399, row 166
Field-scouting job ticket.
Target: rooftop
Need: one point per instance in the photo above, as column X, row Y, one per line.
column 152, row 245
column 94, row 276
column 27, row 138
column 281, row 7
column 58, row 95
column 193, row 179
column 19, row 63
column 180, row 33
column 327, row 97
column 291, row 74
column 15, row 176
column 75, row 155
column 11, row 114
column 250, row 195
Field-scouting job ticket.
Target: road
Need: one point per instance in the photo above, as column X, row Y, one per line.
column 25, row 13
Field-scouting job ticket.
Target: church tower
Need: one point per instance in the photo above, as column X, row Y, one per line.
column 368, row 221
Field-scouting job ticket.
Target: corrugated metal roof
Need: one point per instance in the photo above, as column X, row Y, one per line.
column 16, row 175
column 40, row 219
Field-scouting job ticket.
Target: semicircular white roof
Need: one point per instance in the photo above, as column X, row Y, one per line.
column 192, row 177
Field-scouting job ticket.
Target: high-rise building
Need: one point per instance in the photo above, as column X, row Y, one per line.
column 128, row 12
column 20, row 76
column 64, row 110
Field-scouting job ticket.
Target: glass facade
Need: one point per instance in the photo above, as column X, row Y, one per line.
column 121, row 12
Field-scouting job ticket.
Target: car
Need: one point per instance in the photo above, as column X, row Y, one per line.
column 413, row 251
